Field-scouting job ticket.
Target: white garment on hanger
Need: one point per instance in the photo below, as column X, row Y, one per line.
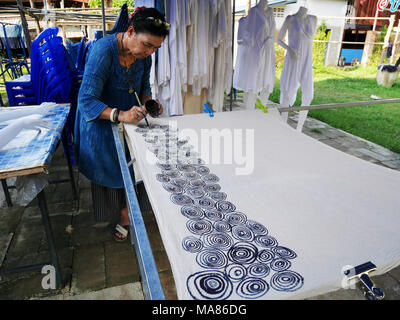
column 255, row 64
column 298, row 72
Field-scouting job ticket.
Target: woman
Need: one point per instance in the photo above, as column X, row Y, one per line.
column 117, row 70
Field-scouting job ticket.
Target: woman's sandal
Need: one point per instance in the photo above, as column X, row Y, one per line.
column 123, row 230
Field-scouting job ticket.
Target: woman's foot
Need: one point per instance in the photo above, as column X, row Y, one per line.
column 119, row 234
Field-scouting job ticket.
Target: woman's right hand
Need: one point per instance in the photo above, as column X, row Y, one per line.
column 135, row 115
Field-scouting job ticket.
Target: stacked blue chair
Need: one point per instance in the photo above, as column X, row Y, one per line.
column 51, row 79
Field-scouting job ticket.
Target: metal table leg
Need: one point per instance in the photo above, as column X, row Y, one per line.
column 6, row 192
column 67, row 155
column 49, row 236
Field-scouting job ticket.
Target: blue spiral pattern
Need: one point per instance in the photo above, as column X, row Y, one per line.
column 280, row 264
column 213, row 187
column 265, row 256
column 287, row 281
column 243, row 253
column 236, row 272
column 242, row 233
column 192, row 212
column 239, row 254
column 217, row 196
column 199, row 227
column 192, row 244
column 236, row 218
column 195, row 192
column 222, row 226
column 217, row 240
column 213, row 285
column 260, row 270
column 181, row 199
column 172, row 188
column 211, row 259
column 252, row 288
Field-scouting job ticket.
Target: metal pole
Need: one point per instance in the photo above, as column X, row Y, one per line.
column 103, row 17
column 25, row 26
column 376, row 16
column 45, row 13
column 233, row 52
column 339, row 105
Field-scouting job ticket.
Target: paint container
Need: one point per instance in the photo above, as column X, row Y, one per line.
column 152, row 107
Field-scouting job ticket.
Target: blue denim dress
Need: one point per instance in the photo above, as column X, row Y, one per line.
column 105, row 84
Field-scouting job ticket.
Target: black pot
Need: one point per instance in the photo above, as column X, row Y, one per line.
column 152, row 107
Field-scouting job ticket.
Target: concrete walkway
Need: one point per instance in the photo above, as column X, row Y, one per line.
column 94, row 266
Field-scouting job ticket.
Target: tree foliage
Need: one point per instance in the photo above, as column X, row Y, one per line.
column 319, row 48
column 115, row 3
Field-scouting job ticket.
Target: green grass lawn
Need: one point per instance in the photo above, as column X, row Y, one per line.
column 379, row 124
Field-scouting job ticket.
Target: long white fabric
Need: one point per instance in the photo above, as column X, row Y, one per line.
column 255, row 64
column 323, row 209
column 197, row 53
column 298, row 72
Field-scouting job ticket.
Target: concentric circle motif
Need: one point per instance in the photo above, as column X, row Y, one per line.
column 205, row 202
column 284, row 253
column 258, row 270
column 180, row 182
column 195, row 192
column 172, row 188
column 287, row 281
column 172, row 173
column 236, row 218
column 191, row 175
column 243, row 253
column 202, row 170
column 252, row 288
column 222, row 226
column 162, row 178
column 210, row 178
column 213, row 285
column 192, row 244
column 236, row 272
column 199, row 227
column 166, row 166
column 225, row 206
column 192, row 212
column 242, row 233
column 214, row 187
column 217, row 240
column 197, row 183
column 265, row 256
column 217, row 196
column 181, row 199
column 266, row 241
column 196, row 161
column 211, row 259
column 280, row 264
column 185, row 168
column 257, row 228
column 214, row 215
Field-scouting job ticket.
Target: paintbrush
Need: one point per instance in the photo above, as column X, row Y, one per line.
column 137, row 98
